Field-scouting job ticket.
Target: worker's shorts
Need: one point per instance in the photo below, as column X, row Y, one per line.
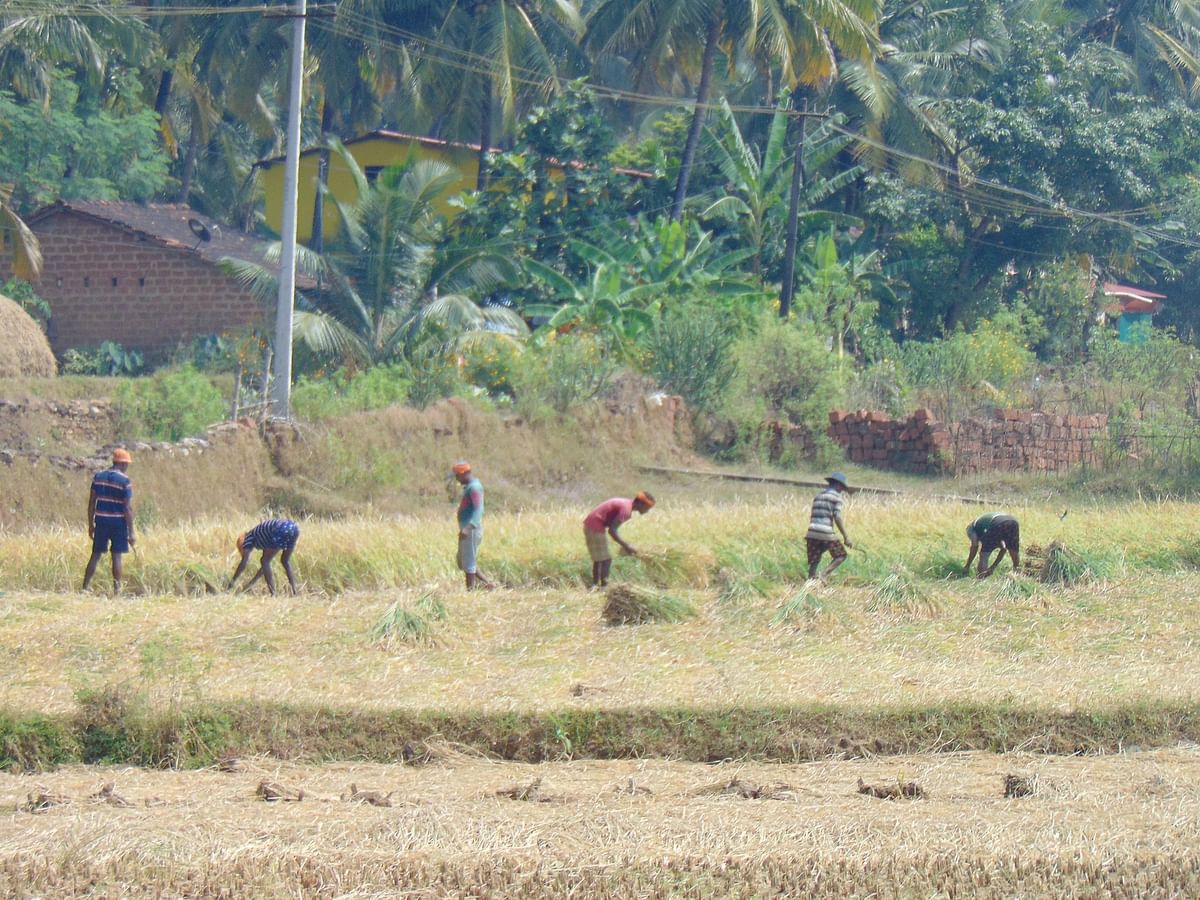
column 110, row 531
column 468, row 549
column 1004, row 535
column 816, row 549
column 597, row 544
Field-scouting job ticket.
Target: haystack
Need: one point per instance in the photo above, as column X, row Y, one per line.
column 24, row 350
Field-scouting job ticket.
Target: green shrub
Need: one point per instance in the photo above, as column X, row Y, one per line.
column 23, row 294
column 168, row 406
column 110, row 359
column 342, row 392
column 566, row 370
column 491, row 363
column 691, row 354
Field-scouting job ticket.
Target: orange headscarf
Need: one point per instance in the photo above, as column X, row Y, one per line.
column 461, row 468
column 646, row 499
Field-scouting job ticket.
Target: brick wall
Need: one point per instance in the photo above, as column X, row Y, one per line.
column 1008, row 442
column 105, row 283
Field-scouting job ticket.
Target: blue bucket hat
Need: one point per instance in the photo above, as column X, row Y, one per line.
column 839, row 477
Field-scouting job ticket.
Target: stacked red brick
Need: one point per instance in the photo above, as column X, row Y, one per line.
column 916, row 444
column 1027, row 442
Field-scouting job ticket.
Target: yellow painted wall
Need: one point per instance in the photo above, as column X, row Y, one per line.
column 376, row 151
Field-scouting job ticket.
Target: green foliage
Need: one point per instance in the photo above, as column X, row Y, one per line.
column 344, row 392
column 691, row 354
column 77, row 148
column 110, row 359
column 562, row 371
column 536, row 204
column 490, row 364
column 170, row 405
column 1157, row 370
column 785, row 371
column 23, row 294
column 955, row 375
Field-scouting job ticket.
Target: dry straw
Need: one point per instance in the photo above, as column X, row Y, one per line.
column 24, row 350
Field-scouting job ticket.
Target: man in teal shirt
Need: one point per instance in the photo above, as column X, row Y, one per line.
column 994, row 531
column 470, row 525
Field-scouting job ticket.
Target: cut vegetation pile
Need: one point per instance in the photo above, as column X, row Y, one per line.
column 24, row 352
column 1063, row 565
column 627, row 605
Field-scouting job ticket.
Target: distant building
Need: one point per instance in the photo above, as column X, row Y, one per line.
column 1133, row 309
column 141, row 275
column 373, row 152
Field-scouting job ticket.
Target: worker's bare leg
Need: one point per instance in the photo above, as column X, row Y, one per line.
column 90, row 571
column 605, row 569
column 116, row 570
column 267, row 556
column 832, row 567
column 286, row 560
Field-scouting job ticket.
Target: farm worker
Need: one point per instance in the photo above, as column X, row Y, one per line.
column 821, row 538
column 470, row 525
column 270, row 537
column 604, row 520
column 994, row 531
column 110, row 516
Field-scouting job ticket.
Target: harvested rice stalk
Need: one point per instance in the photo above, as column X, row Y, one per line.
column 272, row 791
column 1066, row 566
column 748, row 790
column 907, row 790
column 43, row 800
column 399, row 623
column 628, row 605
column 371, row 798
column 531, row 792
column 107, row 795
column 1020, row 785
column 900, row 592
column 802, row 608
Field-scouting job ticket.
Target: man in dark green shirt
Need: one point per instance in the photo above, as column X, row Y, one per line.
column 994, row 531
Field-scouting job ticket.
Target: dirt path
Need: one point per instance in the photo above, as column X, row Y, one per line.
column 1125, row 823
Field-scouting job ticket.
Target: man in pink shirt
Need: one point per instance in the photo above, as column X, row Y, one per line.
column 604, row 520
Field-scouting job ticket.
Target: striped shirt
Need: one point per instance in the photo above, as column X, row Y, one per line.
column 113, row 491
column 273, row 534
column 826, row 507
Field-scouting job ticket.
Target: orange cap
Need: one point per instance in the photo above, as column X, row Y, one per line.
column 646, row 499
column 461, row 468
column 121, row 455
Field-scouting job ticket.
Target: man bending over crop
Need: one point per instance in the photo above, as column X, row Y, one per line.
column 270, row 537
column 821, row 538
column 994, row 531
column 110, row 517
column 603, row 521
column 470, row 525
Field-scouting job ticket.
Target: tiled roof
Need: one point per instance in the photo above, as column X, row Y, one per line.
column 166, row 223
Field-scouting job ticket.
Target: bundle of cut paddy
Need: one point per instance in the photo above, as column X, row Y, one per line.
column 1066, row 566
column 627, row 605
column 24, row 350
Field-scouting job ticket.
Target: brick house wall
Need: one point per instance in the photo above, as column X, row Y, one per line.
column 105, row 282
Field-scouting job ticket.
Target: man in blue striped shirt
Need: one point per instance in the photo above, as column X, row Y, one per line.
column 110, row 517
column 821, row 538
column 270, row 537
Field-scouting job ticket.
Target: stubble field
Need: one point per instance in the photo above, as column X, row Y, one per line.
column 1076, row 676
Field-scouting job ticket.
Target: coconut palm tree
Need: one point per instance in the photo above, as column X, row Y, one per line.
column 26, row 252
column 802, row 40
column 484, row 54
column 383, row 288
